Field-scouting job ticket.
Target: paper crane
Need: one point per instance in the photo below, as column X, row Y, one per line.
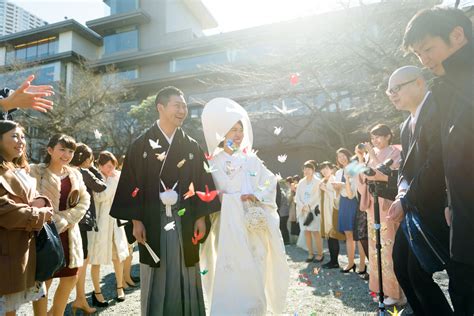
column 207, row 196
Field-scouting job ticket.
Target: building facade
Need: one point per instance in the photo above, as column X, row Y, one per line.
column 15, row 19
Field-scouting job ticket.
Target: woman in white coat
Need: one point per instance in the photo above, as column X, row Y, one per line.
column 307, row 198
column 109, row 243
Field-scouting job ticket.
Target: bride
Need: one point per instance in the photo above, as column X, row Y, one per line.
column 244, row 255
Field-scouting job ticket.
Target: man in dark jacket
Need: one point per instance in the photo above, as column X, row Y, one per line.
column 422, row 183
column 442, row 40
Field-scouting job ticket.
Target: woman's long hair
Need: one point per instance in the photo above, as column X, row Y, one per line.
column 82, row 153
column 19, row 162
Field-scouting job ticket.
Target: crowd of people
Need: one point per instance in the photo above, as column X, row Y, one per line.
column 406, row 209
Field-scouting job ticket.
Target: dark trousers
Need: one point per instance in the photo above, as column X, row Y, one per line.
column 333, row 245
column 284, row 229
column 423, row 294
column 461, row 287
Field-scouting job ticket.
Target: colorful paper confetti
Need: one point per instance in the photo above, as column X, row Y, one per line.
column 252, row 174
column 208, row 157
column 190, row 192
column 338, row 294
column 282, row 158
column 181, row 163
column 355, row 168
column 284, row 110
column 153, row 144
column 207, row 196
column 210, row 168
column 395, row 312
column 161, row 156
column 97, row 134
column 204, row 272
column 294, row 79
column 277, row 130
column 135, row 192
column 181, row 212
column 170, row 226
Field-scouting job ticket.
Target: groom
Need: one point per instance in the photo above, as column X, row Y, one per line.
column 156, row 192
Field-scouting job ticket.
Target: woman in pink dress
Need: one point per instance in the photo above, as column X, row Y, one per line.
column 379, row 150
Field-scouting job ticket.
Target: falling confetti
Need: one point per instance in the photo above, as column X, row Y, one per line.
column 97, row 134
column 190, row 192
column 284, row 110
column 210, row 168
column 338, row 294
column 207, row 196
column 197, row 237
column 181, row 163
column 145, row 154
column 170, row 226
column 153, row 144
column 181, row 212
column 277, row 130
column 282, row 158
column 294, row 79
column 316, row 270
column 135, row 192
column 204, row 272
column 161, row 156
column 395, row 311
column 191, row 156
column 208, row 157
column 252, row 174
column 278, row 177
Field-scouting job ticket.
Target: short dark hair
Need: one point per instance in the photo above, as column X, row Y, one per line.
column 344, row 151
column 437, row 21
column 310, row 164
column 106, row 156
column 163, row 96
column 82, row 153
column 325, row 164
column 63, row 139
column 382, row 130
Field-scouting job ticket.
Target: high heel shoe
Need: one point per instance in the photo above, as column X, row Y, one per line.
column 86, row 310
column 310, row 259
column 353, row 268
column 98, row 303
column 363, row 272
column 120, row 298
column 319, row 260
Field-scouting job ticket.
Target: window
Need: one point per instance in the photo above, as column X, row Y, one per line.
column 122, row 6
column 122, row 40
column 32, row 50
column 192, row 63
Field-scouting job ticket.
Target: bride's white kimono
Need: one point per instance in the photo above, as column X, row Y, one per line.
column 248, row 272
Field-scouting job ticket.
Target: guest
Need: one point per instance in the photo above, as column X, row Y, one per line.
column 22, row 212
column 70, row 200
column 381, row 138
column 284, row 210
column 329, row 214
column 109, row 243
column 294, row 225
column 346, row 186
column 307, row 198
column 83, row 158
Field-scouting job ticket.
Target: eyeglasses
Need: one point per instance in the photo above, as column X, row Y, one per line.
column 398, row 87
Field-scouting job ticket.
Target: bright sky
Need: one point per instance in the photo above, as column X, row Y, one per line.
column 230, row 14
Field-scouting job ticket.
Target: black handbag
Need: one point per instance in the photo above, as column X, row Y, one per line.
column 431, row 253
column 49, row 252
column 310, row 217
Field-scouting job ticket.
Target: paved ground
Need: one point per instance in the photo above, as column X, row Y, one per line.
column 327, row 293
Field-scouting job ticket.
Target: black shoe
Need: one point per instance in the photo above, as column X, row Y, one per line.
column 353, row 268
column 331, row 265
column 120, row 298
column 320, row 260
column 363, row 272
column 98, row 303
column 309, row 259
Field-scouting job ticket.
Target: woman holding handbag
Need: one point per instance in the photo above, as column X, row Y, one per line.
column 307, row 212
column 22, row 212
column 68, row 194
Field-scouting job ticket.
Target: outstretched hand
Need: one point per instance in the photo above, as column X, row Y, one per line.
column 29, row 96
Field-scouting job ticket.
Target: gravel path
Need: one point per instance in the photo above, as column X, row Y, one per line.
column 327, row 293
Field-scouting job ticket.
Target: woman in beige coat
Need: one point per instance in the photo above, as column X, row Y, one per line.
column 22, row 212
column 68, row 193
column 108, row 244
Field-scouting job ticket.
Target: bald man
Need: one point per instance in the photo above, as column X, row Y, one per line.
column 421, row 182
